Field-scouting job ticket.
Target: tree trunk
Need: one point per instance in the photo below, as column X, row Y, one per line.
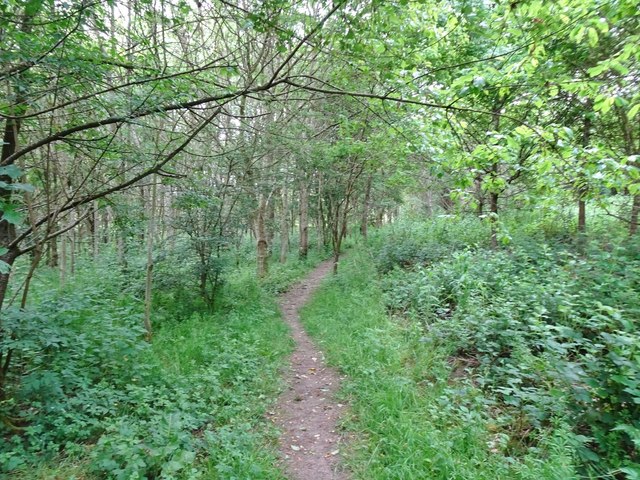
column 582, row 216
column 479, row 196
column 493, row 205
column 262, row 248
column 52, row 253
column 582, row 189
column 364, row 221
column 321, row 240
column 63, row 259
column 95, row 222
column 7, row 230
column 72, row 245
column 148, row 293
column 304, row 220
column 284, row 226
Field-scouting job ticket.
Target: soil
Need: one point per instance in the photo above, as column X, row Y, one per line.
column 307, row 413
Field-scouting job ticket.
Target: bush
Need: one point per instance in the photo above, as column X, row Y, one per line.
column 550, row 335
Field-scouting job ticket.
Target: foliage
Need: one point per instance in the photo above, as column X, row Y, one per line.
column 550, row 335
column 105, row 401
column 411, row 421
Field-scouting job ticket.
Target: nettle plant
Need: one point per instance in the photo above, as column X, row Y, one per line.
column 548, row 336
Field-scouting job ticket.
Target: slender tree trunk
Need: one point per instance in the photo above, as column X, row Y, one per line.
column 269, row 227
column 148, row 292
column 95, row 231
column 63, row 259
column 304, row 220
column 495, row 169
column 336, row 240
column 52, row 253
column 582, row 189
column 493, row 205
column 582, row 215
column 284, row 226
column 364, row 221
column 7, row 230
column 262, row 248
column 321, row 240
column 72, row 245
column 479, row 196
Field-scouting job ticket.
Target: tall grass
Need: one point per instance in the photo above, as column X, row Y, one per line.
column 410, row 421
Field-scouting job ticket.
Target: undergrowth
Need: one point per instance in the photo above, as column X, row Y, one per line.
column 468, row 362
column 410, row 420
column 91, row 399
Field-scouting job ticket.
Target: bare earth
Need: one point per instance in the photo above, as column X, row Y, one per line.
column 307, row 413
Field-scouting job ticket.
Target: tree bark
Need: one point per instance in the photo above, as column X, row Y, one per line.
column 364, row 221
column 148, row 292
column 95, row 223
column 321, row 236
column 493, row 205
column 582, row 215
column 262, row 248
column 479, row 196
column 284, row 226
column 304, row 220
column 7, row 230
column 52, row 253
column 582, row 189
column 270, row 226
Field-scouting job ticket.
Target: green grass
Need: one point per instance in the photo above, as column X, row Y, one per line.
column 409, row 419
column 190, row 405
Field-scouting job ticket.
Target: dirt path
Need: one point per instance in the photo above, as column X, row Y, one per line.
column 307, row 412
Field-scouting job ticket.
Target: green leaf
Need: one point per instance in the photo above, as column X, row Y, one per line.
column 11, row 215
column 33, row 7
column 11, row 171
column 592, row 36
column 634, row 111
column 597, row 70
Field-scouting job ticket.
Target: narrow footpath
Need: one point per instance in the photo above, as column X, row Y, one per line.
column 307, row 412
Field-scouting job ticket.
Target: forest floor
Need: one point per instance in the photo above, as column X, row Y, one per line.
column 307, row 413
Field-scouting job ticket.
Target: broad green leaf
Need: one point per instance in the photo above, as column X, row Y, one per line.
column 11, row 171
column 11, row 215
column 598, row 69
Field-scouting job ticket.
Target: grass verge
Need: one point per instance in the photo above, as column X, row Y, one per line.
column 409, row 419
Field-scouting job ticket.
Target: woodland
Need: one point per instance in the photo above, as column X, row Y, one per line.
column 169, row 168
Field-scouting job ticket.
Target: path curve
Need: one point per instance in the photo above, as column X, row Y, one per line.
column 307, row 412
